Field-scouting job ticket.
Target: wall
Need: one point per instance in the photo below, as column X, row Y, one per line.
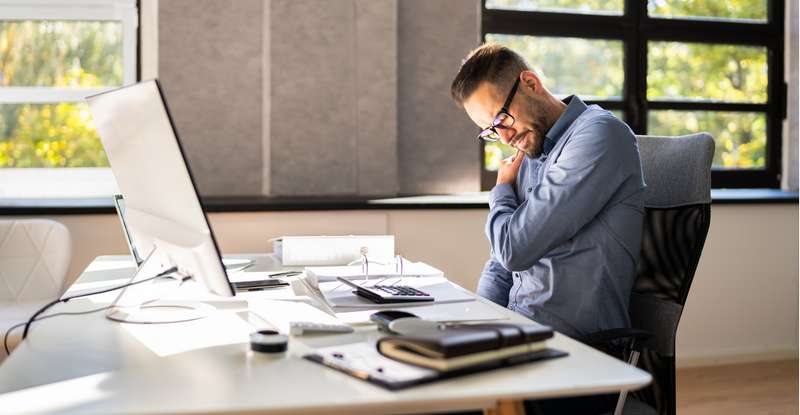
column 333, row 97
column 436, row 149
column 316, row 97
column 790, row 124
column 744, row 298
column 209, row 57
column 742, row 305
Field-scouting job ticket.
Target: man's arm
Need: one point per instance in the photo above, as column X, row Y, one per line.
column 495, row 283
column 590, row 169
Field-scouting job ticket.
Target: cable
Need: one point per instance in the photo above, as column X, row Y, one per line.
column 5, row 337
column 65, row 313
column 64, row 300
column 75, row 313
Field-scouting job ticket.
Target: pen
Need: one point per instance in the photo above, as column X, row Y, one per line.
column 245, row 267
column 285, row 273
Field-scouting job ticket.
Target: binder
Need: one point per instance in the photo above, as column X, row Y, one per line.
column 334, row 250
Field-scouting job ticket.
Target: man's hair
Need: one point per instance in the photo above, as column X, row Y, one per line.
column 490, row 62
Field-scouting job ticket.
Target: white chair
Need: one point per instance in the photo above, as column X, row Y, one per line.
column 34, row 257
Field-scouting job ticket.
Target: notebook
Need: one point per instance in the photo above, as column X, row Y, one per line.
column 452, row 347
column 363, row 361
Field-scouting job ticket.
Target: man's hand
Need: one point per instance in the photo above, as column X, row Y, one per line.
column 509, row 168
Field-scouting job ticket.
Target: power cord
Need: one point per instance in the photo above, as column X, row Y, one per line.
column 75, row 313
column 65, row 313
column 66, row 299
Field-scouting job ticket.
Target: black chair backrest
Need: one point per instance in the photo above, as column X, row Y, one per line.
column 677, row 171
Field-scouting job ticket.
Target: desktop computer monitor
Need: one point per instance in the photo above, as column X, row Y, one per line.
column 162, row 207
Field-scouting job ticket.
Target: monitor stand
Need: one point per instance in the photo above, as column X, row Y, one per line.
column 136, row 305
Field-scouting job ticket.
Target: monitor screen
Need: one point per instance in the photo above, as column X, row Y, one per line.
column 162, row 207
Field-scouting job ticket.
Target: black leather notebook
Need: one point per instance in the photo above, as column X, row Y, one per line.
column 397, row 362
column 450, row 347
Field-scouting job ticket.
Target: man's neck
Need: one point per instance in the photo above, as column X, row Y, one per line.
column 555, row 108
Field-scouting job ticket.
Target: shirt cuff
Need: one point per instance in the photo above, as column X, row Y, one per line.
column 502, row 194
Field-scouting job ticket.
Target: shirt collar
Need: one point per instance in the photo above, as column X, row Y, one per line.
column 575, row 107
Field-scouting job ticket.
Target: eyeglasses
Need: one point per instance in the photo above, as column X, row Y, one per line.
column 502, row 120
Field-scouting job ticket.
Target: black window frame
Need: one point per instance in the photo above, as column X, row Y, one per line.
column 635, row 28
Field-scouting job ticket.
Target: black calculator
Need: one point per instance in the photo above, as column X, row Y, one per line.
column 383, row 294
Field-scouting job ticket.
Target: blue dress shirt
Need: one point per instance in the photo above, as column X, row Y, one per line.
column 566, row 237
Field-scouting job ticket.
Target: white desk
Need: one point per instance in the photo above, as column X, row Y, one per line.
column 89, row 365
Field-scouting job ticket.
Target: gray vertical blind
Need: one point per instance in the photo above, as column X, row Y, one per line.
column 320, row 97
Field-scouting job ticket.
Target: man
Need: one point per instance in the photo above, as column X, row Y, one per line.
column 566, row 216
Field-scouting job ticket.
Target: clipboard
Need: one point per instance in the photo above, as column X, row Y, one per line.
column 363, row 361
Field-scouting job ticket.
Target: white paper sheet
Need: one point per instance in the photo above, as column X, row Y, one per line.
column 445, row 313
column 280, row 314
column 364, row 358
column 339, row 295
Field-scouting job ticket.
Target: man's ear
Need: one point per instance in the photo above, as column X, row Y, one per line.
column 530, row 82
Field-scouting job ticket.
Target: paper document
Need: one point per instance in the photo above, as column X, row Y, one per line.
column 280, row 314
column 443, row 313
column 339, row 295
column 374, row 271
column 363, row 360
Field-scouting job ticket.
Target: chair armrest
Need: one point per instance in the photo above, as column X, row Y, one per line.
column 608, row 337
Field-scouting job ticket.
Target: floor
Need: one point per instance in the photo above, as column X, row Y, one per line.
column 749, row 388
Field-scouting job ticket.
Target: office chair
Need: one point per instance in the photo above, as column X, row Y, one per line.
column 677, row 171
column 34, row 258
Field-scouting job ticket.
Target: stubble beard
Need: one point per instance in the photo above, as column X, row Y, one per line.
column 535, row 139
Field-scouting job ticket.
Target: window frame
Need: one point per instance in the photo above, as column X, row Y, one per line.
column 635, row 28
column 124, row 11
column 35, row 183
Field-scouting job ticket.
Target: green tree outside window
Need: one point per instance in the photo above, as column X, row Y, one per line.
column 57, row 54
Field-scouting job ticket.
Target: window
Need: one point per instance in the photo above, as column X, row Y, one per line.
column 666, row 67
column 54, row 53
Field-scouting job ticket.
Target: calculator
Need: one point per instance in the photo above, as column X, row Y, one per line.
column 383, row 294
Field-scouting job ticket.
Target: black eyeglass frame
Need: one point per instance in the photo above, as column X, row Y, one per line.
column 490, row 134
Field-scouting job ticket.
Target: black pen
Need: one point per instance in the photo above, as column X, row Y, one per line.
column 285, row 274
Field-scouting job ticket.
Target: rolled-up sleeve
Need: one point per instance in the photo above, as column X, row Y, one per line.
column 495, row 283
column 573, row 190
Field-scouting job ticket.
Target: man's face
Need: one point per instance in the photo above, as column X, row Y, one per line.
column 530, row 124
